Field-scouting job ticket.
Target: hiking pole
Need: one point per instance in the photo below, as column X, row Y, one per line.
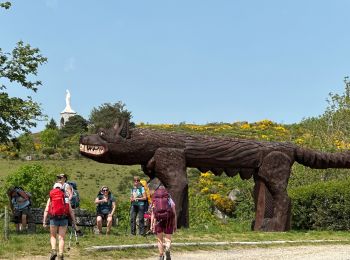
column 71, row 231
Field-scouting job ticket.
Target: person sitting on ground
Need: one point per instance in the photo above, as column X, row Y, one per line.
column 163, row 220
column 105, row 208
column 20, row 206
column 68, row 193
column 58, row 210
column 137, row 209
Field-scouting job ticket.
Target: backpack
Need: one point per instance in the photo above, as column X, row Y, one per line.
column 148, row 195
column 24, row 202
column 161, row 206
column 75, row 202
column 58, row 207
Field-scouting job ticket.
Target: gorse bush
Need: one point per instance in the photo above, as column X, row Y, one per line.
column 323, row 205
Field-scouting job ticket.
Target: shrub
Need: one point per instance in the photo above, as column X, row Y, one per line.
column 34, row 178
column 323, row 205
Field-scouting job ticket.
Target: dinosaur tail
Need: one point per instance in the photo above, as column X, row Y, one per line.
column 320, row 160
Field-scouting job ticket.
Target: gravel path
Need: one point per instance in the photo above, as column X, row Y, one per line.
column 313, row 252
column 310, row 252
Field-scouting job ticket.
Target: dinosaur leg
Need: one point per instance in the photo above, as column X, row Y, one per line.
column 170, row 169
column 259, row 200
column 263, row 204
column 275, row 172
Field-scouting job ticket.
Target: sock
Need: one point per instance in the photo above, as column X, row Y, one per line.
column 167, row 244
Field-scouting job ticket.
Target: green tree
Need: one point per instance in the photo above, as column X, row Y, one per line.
column 51, row 125
column 18, row 68
column 50, row 138
column 5, row 5
column 75, row 125
column 331, row 130
column 107, row 115
column 26, row 142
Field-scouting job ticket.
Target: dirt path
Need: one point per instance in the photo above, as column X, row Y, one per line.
column 314, row 252
column 311, row 252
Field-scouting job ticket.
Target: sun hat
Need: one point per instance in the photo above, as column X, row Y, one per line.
column 57, row 185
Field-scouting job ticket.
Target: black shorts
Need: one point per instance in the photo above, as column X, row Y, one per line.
column 103, row 216
column 17, row 214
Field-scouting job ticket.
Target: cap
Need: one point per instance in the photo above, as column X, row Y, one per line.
column 57, row 185
column 62, row 175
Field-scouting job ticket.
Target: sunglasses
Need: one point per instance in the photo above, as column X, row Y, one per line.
column 105, row 190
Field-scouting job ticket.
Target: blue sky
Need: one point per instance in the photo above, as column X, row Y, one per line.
column 193, row 61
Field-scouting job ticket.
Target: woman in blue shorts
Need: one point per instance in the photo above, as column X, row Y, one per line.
column 57, row 226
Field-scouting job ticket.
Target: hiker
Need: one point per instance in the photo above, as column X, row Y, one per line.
column 163, row 220
column 105, row 209
column 58, row 210
column 20, row 206
column 137, row 208
column 68, row 193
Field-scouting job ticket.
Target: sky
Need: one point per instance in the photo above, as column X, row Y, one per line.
column 193, row 61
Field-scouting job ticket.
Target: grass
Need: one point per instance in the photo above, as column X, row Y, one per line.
column 38, row 244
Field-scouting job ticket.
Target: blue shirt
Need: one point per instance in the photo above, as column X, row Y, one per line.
column 136, row 192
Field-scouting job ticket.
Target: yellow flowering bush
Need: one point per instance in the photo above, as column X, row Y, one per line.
column 3, row 148
column 341, row 144
column 224, row 204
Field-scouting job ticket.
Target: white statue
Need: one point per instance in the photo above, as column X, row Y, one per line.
column 68, row 107
column 68, row 100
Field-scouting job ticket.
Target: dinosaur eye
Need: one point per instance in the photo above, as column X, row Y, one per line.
column 102, row 133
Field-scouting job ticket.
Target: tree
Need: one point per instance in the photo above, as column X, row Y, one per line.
column 5, row 5
column 107, row 114
column 50, row 138
column 331, row 130
column 18, row 68
column 75, row 125
column 51, row 125
column 26, row 142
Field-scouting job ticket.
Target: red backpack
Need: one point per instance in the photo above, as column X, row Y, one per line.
column 58, row 207
column 161, row 206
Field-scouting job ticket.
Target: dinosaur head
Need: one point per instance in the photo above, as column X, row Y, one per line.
column 97, row 146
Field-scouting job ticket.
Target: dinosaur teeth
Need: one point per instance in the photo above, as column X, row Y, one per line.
column 92, row 149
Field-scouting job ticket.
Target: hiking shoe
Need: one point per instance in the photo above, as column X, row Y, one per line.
column 53, row 254
column 161, row 257
column 60, row 257
column 167, row 254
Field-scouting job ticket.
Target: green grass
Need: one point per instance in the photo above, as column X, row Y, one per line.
column 38, row 244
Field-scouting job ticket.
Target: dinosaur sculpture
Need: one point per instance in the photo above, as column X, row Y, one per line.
column 166, row 155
